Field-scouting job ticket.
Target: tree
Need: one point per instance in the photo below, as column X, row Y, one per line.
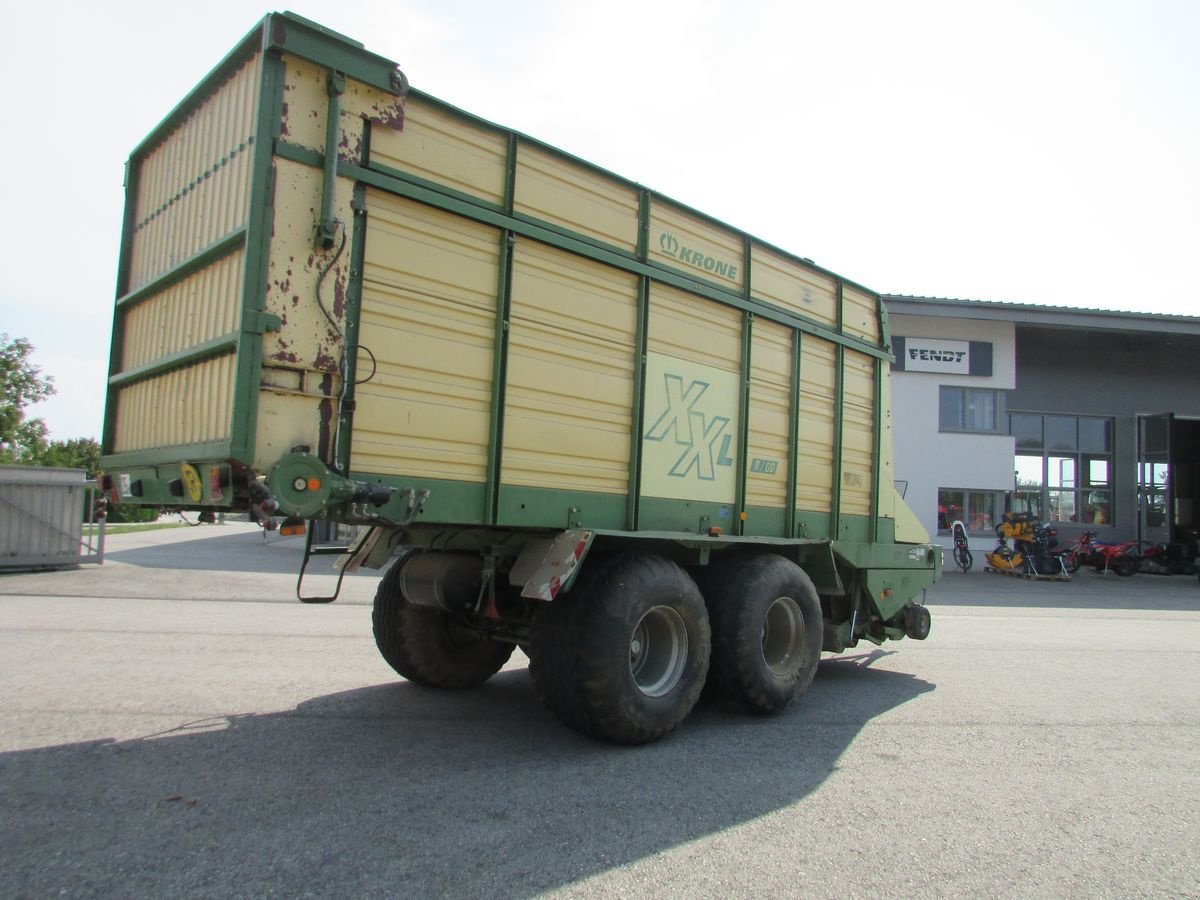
column 21, row 383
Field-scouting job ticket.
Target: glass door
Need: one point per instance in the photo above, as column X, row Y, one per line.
column 1155, row 485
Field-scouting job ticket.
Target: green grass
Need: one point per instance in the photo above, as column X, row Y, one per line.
column 118, row 528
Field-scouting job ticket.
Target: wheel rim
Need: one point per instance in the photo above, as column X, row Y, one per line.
column 783, row 636
column 658, row 651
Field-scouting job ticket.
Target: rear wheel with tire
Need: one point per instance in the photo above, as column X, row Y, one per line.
column 767, row 633
column 428, row 645
column 623, row 656
column 963, row 558
column 1124, row 566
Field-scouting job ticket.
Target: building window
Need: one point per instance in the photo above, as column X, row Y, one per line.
column 969, row 409
column 975, row 509
column 1063, row 468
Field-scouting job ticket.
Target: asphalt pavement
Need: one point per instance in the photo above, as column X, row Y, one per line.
column 175, row 723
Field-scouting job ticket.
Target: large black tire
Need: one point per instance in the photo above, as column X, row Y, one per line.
column 429, row 646
column 622, row 657
column 767, row 633
column 963, row 558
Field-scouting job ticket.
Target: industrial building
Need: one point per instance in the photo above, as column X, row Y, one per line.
column 1088, row 419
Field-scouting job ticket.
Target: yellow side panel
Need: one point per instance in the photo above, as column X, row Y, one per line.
column 203, row 306
column 429, row 318
column 693, row 398
column 193, row 405
column 696, row 246
column 441, row 147
column 814, row 464
column 570, row 372
column 860, row 313
column 793, row 286
column 193, row 188
column 770, row 421
column 691, row 328
column 572, row 196
column 858, row 433
column 305, row 103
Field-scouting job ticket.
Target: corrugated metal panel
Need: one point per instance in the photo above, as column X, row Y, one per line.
column 693, row 398
column 770, row 418
column 200, row 308
column 860, row 315
column 688, row 327
column 192, row 189
column 696, row 246
column 192, row 405
column 572, row 196
column 818, row 394
column 41, row 516
column 429, row 317
column 570, row 372
column 443, row 148
column 858, row 433
column 793, row 286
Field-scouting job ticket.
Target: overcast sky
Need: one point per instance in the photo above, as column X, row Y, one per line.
column 1036, row 152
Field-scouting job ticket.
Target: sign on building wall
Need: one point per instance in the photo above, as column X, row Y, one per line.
column 943, row 357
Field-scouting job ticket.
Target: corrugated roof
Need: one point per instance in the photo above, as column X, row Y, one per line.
column 1050, row 316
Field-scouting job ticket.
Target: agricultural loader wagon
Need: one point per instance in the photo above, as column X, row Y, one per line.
column 572, row 415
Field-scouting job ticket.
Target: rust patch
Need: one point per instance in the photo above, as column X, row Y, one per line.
column 283, row 121
column 339, row 297
column 325, row 432
column 347, row 152
column 390, row 115
column 285, row 356
column 295, row 299
column 324, row 362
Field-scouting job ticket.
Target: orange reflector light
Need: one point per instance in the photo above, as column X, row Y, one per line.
column 743, row 515
column 288, row 530
column 314, row 484
column 714, row 531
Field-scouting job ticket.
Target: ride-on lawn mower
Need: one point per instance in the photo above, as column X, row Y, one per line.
column 1030, row 555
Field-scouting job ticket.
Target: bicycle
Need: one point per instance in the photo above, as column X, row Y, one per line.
column 962, row 551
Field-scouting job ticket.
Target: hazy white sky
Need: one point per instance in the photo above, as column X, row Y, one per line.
column 1040, row 152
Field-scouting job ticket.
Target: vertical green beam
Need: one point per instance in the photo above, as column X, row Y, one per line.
column 793, row 435
column 259, row 227
column 327, row 227
column 743, row 464
column 743, row 447
column 508, row 238
column 641, row 338
column 839, row 420
column 877, row 448
column 354, row 296
column 881, row 372
column 133, row 171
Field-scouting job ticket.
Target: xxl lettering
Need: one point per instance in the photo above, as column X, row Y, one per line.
column 702, row 456
column 679, row 407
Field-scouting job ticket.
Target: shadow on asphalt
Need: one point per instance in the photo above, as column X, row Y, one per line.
column 1085, row 590
column 407, row 791
column 244, row 551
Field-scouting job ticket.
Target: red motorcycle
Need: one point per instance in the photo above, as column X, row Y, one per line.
column 1076, row 554
column 1122, row 558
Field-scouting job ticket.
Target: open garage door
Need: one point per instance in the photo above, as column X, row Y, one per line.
column 1168, row 478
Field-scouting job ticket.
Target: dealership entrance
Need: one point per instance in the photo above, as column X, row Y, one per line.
column 1168, row 479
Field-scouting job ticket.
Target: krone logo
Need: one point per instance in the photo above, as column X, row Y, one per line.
column 669, row 244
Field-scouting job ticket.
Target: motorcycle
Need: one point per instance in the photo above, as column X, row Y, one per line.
column 1076, row 554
